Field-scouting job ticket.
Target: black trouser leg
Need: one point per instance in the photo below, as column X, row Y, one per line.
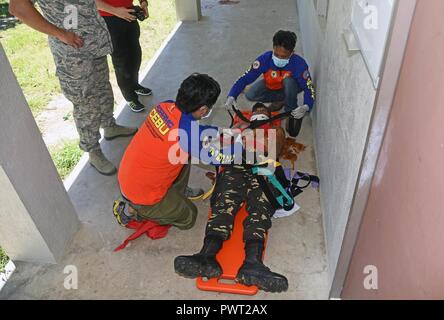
column 126, row 56
column 136, row 53
column 294, row 127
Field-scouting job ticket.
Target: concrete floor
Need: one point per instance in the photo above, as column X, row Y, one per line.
column 223, row 45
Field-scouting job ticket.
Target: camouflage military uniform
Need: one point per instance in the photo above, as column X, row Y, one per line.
column 234, row 186
column 83, row 73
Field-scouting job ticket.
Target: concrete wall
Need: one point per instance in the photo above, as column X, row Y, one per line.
column 311, row 35
column 345, row 99
column 401, row 232
column 37, row 219
column 188, row 10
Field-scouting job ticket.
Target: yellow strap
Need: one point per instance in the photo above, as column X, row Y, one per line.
column 274, row 162
column 205, row 196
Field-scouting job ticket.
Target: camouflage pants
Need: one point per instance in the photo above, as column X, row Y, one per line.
column 233, row 187
column 86, row 84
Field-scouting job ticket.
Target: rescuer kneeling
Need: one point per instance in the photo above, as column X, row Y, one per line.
column 154, row 171
column 285, row 75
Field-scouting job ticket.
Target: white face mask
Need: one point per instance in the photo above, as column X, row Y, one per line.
column 208, row 114
column 259, row 117
column 280, row 63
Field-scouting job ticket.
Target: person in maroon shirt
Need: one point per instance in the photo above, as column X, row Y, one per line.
column 124, row 28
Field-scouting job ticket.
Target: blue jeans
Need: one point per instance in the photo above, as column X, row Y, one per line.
column 259, row 92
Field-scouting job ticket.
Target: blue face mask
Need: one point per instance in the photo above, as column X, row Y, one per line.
column 280, row 63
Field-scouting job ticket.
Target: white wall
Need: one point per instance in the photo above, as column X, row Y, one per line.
column 311, row 35
column 345, row 99
column 37, row 218
column 188, row 10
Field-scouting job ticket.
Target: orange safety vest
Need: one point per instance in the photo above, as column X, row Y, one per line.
column 145, row 172
column 274, row 79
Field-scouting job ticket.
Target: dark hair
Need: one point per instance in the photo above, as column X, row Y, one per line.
column 260, row 105
column 196, row 91
column 286, row 39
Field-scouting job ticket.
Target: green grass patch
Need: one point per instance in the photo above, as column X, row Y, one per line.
column 66, row 157
column 33, row 65
column 3, row 260
column 155, row 29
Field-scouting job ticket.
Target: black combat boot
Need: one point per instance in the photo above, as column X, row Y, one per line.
column 294, row 127
column 254, row 272
column 202, row 264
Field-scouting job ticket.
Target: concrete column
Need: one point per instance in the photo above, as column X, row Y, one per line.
column 188, row 10
column 37, row 218
column 322, row 8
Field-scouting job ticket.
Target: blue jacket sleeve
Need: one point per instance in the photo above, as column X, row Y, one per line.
column 256, row 69
column 305, row 83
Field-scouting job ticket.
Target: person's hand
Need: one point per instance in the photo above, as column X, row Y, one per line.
column 300, row 112
column 125, row 14
column 71, row 39
column 144, row 6
column 231, row 102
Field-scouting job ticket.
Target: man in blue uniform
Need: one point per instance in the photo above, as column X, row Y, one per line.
column 285, row 75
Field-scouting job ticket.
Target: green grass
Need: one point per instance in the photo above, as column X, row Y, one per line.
column 155, row 29
column 33, row 64
column 3, row 260
column 66, row 157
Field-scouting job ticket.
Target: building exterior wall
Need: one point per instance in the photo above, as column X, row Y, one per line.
column 311, row 35
column 401, row 232
column 188, row 10
column 345, row 100
column 37, row 217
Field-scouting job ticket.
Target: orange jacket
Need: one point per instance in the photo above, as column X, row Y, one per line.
column 145, row 172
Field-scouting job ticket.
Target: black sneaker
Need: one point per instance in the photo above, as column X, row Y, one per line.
column 136, row 106
column 142, row 91
column 119, row 214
